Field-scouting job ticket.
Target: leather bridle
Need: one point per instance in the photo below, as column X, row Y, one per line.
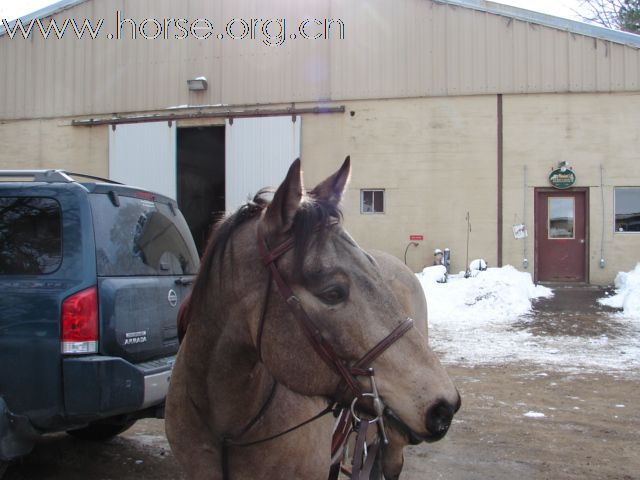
column 348, row 373
column 311, row 331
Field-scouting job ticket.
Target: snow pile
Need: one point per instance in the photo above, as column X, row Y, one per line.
column 469, row 318
column 482, row 320
column 627, row 295
column 479, row 264
column 497, row 295
column 435, row 274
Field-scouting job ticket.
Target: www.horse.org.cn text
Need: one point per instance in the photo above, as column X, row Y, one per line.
column 269, row 31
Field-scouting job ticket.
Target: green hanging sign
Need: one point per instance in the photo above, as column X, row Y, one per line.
column 562, row 178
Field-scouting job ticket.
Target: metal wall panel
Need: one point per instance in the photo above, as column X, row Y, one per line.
column 258, row 153
column 392, row 49
column 144, row 155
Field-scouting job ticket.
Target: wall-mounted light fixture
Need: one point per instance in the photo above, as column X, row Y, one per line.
column 197, row 84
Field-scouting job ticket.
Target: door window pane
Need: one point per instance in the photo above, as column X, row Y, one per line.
column 627, row 209
column 561, row 217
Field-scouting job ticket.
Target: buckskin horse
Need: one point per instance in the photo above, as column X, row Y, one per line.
column 289, row 319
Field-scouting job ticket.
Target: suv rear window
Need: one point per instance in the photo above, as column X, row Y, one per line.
column 30, row 235
column 141, row 237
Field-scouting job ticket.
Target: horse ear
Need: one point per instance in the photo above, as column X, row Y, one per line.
column 331, row 189
column 282, row 209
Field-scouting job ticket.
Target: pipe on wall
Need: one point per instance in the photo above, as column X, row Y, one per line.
column 602, row 261
column 500, row 178
column 525, row 260
column 231, row 114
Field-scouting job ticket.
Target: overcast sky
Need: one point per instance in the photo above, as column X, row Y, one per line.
column 11, row 9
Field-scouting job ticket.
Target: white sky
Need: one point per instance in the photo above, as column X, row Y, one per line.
column 11, row 9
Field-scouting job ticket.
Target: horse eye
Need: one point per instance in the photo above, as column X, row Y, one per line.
column 333, row 295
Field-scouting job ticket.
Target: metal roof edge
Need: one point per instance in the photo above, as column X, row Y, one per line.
column 572, row 26
column 42, row 13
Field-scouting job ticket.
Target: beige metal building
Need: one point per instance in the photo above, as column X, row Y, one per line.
column 450, row 109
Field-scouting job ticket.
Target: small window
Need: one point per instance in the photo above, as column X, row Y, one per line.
column 371, row 201
column 30, row 236
column 627, row 209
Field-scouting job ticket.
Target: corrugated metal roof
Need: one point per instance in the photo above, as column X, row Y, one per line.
column 393, row 49
column 565, row 24
column 531, row 16
column 45, row 12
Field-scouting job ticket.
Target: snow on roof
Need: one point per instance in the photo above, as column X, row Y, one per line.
column 45, row 12
column 472, row 321
column 565, row 24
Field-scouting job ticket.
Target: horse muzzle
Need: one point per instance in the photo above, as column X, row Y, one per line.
column 437, row 422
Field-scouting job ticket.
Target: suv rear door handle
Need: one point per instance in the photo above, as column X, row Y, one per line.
column 184, row 281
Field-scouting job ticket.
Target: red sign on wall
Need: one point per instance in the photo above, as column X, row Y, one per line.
column 416, row 237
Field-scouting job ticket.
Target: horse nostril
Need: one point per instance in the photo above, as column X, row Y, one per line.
column 439, row 418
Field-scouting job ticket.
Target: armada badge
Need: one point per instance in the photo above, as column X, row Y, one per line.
column 132, row 338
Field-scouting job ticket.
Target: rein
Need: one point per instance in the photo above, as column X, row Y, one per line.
column 364, row 456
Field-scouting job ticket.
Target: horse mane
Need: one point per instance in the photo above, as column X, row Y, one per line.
column 312, row 212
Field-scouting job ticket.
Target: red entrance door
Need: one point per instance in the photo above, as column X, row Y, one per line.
column 561, row 240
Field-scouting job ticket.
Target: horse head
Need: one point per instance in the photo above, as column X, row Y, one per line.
column 345, row 294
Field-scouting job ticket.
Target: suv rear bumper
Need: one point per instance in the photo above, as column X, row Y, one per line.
column 95, row 387
column 98, row 387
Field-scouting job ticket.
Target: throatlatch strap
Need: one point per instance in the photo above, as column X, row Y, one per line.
column 263, row 319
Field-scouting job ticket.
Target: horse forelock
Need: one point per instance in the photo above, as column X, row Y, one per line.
column 311, row 213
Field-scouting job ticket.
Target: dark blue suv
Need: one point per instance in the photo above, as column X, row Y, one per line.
column 91, row 279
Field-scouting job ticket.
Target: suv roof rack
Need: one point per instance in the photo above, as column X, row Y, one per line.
column 52, row 176
column 93, row 177
column 39, row 175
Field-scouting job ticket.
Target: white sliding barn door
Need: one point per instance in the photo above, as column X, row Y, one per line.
column 258, row 154
column 144, row 155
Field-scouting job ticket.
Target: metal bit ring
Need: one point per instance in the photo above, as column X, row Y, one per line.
column 353, row 408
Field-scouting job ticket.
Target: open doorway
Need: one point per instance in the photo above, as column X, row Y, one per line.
column 201, row 179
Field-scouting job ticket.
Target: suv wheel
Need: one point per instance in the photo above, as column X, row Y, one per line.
column 101, row 430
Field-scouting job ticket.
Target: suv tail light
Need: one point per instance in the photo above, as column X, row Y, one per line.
column 80, row 322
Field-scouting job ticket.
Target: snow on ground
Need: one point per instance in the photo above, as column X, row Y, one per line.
column 627, row 294
column 473, row 321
